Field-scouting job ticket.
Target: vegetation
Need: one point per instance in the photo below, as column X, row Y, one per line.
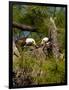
column 34, row 69
column 41, row 71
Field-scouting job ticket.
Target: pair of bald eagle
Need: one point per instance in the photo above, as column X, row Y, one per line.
column 28, row 41
column 32, row 41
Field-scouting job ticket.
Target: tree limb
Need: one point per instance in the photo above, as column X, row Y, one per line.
column 24, row 27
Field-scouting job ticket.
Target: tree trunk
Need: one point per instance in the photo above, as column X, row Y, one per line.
column 53, row 38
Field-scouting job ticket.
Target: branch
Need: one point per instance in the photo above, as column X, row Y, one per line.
column 24, row 27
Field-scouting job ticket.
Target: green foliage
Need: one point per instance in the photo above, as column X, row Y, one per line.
column 61, row 38
column 43, row 72
column 60, row 22
column 38, row 16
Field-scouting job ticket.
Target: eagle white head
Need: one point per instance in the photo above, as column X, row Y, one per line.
column 44, row 40
column 30, row 41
